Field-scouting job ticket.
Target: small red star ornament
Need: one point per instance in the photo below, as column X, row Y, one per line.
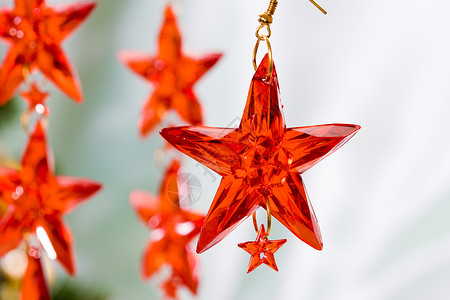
column 262, row 250
column 261, row 162
column 36, row 100
column 173, row 228
column 35, row 32
column 173, row 75
column 36, row 201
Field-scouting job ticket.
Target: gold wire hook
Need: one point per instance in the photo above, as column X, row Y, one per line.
column 269, row 219
column 318, row 6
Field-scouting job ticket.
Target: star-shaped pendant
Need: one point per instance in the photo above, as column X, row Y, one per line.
column 173, row 75
column 37, row 201
column 262, row 250
column 35, row 32
column 173, row 228
column 260, row 159
column 36, row 100
column 34, row 286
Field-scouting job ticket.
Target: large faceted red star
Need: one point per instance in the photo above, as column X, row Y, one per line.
column 37, row 200
column 260, row 159
column 173, row 228
column 262, row 250
column 35, row 32
column 173, row 75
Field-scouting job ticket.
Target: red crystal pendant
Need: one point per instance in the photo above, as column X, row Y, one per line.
column 260, row 159
column 262, row 250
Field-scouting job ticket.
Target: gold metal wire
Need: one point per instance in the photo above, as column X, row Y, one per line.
column 318, row 6
column 269, row 50
column 269, row 219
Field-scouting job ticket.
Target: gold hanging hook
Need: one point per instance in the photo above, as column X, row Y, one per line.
column 318, row 6
column 266, row 18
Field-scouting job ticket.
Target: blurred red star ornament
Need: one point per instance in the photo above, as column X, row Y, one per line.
column 261, row 162
column 35, row 32
column 37, row 200
column 36, row 100
column 173, row 228
column 173, row 75
column 262, row 250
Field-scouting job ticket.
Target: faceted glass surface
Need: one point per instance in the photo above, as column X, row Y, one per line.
column 35, row 32
column 260, row 159
column 173, row 228
column 36, row 199
column 262, row 250
column 173, row 76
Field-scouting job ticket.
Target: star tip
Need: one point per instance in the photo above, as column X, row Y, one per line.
column 4, row 100
column 97, row 187
column 89, row 6
column 200, row 249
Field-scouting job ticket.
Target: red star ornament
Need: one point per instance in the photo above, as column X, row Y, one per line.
column 262, row 250
column 173, row 228
column 260, row 159
column 173, row 75
column 35, row 32
column 36, row 100
column 37, row 200
column 34, row 286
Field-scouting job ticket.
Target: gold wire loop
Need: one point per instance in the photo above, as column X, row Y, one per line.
column 269, row 219
column 260, row 36
column 269, row 50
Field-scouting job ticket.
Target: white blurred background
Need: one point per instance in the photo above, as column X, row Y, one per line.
column 382, row 201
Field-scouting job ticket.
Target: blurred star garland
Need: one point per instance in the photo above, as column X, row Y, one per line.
column 33, row 199
column 173, row 75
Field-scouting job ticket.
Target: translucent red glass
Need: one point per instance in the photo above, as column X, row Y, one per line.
column 37, row 200
column 173, row 228
column 36, row 100
column 173, row 76
column 260, row 159
column 35, row 32
column 262, row 250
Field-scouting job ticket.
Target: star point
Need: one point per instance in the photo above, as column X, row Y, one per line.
column 260, row 159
